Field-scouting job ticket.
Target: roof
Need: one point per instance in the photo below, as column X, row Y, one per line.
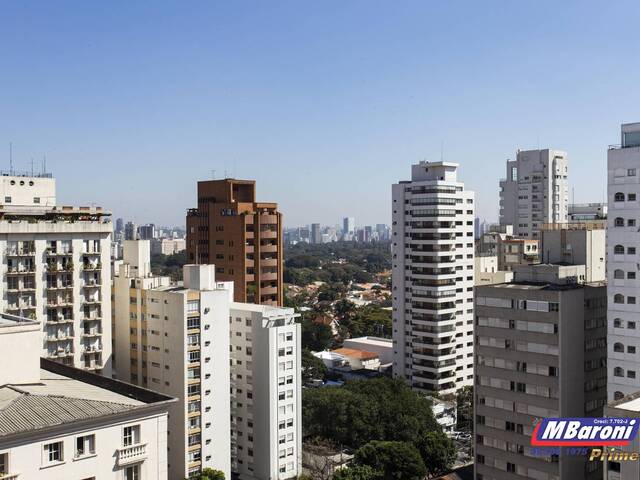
column 374, row 341
column 66, row 395
column 359, row 354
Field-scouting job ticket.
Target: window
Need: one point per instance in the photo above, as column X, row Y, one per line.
column 131, row 435
column 618, row 197
column 631, row 373
column 631, row 222
column 618, row 250
column 617, row 323
column 631, row 250
column 132, row 473
column 618, row 298
column 618, row 372
column 631, row 300
column 53, row 453
column 631, row 349
column 631, row 172
column 619, row 274
column 7, row 199
column 618, row 347
column 85, row 445
column 4, row 464
column 631, row 325
column 619, row 222
column 631, row 197
column 631, row 275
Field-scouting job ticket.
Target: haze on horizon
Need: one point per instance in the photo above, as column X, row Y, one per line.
column 324, row 104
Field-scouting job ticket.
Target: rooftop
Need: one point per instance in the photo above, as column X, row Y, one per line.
column 376, row 341
column 65, row 395
column 353, row 353
column 628, row 402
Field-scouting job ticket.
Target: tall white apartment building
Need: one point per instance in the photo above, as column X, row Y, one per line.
column 266, row 392
column 56, row 269
column 174, row 339
column 433, row 270
column 59, row 422
column 623, row 242
column 535, row 191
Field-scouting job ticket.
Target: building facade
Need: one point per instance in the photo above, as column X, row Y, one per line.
column 174, row 339
column 541, row 348
column 535, row 191
column 266, row 426
column 56, row 265
column 623, row 241
column 242, row 237
column 59, row 422
column 433, row 277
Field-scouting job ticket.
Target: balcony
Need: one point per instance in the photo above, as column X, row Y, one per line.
column 91, row 267
column 53, row 253
column 268, row 234
column 22, row 252
column 132, row 454
column 21, row 270
column 9, row 476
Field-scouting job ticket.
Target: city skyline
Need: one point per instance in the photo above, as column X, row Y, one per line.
column 362, row 102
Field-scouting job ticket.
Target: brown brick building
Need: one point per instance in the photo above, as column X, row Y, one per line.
column 242, row 237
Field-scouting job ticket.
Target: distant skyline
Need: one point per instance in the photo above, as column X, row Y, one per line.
column 324, row 104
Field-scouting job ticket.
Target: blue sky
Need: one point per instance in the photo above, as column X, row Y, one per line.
column 325, row 104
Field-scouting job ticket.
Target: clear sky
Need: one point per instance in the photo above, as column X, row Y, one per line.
column 324, row 103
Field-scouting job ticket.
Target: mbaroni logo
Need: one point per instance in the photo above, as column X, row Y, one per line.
column 585, row 432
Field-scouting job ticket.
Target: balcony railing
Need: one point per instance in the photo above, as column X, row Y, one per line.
column 132, row 454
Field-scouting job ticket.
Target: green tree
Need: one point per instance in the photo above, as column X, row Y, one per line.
column 361, row 411
column 210, row 474
column 312, row 367
column 437, row 451
column 315, row 336
column 395, row 460
column 464, row 401
column 357, row 472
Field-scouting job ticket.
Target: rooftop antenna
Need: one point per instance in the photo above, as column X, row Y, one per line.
column 32, row 166
column 44, row 166
column 10, row 158
column 442, row 151
column 213, row 174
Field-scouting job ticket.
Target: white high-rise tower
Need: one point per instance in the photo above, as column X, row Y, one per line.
column 433, row 279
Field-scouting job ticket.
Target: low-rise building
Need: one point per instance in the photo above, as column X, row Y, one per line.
column 445, row 414
column 486, row 271
column 60, row 422
column 359, row 359
column 382, row 346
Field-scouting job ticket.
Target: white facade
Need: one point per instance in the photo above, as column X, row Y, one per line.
column 433, row 277
column 535, row 191
column 382, row 346
column 61, row 423
column 174, row 339
column 266, row 400
column 623, row 240
column 56, row 269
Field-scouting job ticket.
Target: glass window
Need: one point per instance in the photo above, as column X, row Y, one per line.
column 53, row 452
column 131, row 435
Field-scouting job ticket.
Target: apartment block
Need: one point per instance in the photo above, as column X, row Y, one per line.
column 535, row 191
column 541, row 351
column 59, row 422
column 433, row 278
column 623, row 241
column 241, row 236
column 174, row 339
column 266, row 392
column 509, row 250
column 56, row 270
